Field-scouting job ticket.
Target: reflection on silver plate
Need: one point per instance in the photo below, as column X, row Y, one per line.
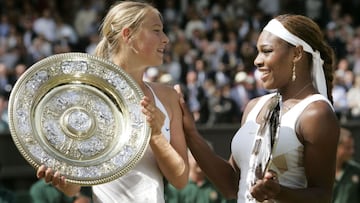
column 79, row 115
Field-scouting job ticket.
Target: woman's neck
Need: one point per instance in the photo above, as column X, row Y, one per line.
column 298, row 92
column 134, row 70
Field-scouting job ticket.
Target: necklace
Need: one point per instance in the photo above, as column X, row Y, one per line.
column 297, row 94
column 300, row 91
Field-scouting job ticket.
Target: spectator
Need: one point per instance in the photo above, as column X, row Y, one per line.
column 65, row 33
column 5, row 83
column 172, row 67
column 340, row 97
column 353, row 98
column 94, row 39
column 243, row 27
column 334, row 41
column 40, row 48
column 42, row 192
column 239, row 91
column 19, row 69
column 84, row 19
column 230, row 57
column 356, row 59
column 194, row 24
column 171, row 13
column 4, row 120
column 269, row 7
column 4, row 26
column 45, row 25
column 202, row 70
column 223, row 108
column 213, row 52
column 197, row 100
column 11, row 48
column 28, row 34
column 314, row 9
column 222, row 75
column 347, row 181
column 343, row 71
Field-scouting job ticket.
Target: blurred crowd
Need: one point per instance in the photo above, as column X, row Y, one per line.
column 211, row 51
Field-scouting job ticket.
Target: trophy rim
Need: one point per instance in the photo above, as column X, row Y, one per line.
column 107, row 91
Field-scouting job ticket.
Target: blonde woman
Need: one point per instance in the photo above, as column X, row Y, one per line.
column 133, row 38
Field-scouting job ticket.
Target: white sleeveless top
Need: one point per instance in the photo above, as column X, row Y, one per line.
column 288, row 156
column 143, row 183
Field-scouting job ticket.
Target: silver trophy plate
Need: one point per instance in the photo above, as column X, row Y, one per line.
column 79, row 115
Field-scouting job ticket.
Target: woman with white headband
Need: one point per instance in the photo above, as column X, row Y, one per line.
column 285, row 149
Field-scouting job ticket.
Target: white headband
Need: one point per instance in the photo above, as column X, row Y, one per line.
column 276, row 28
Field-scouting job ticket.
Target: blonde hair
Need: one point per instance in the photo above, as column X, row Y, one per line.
column 125, row 14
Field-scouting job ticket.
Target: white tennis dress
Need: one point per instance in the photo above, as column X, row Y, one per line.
column 143, row 183
column 288, row 156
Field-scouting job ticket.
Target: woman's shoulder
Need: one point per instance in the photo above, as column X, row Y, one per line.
column 252, row 104
column 255, row 100
column 316, row 114
column 162, row 89
column 319, row 105
column 166, row 93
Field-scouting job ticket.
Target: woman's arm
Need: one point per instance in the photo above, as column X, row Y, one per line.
column 319, row 130
column 222, row 173
column 171, row 157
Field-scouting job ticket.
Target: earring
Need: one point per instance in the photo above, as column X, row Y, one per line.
column 136, row 51
column 293, row 78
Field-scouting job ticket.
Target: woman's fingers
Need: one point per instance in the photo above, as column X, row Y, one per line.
column 48, row 175
column 154, row 116
column 41, row 171
column 266, row 188
column 270, row 174
column 56, row 178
